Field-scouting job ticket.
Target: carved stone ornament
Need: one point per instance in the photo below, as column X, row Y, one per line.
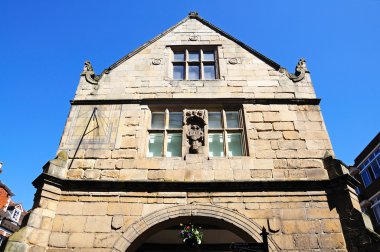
column 194, row 38
column 234, row 61
column 195, row 121
column 89, row 74
column 156, row 61
column 299, row 73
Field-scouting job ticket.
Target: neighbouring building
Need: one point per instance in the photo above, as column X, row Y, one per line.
column 367, row 170
column 11, row 214
column 195, row 127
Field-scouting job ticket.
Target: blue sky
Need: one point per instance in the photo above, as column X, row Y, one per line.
column 44, row 43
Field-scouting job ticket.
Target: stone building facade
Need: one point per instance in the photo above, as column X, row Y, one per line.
column 194, row 127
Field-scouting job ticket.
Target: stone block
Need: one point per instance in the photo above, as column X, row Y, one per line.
column 75, row 173
column 301, row 226
column 261, row 174
column 124, row 153
column 331, row 226
column 316, row 173
column 306, row 241
column 58, row 240
column 73, row 224
column 263, row 164
column 242, row 175
column 223, row 174
column 105, row 240
column 321, row 213
column 39, row 237
column 81, row 240
column 288, row 126
column 255, row 117
column 126, row 164
column 291, row 135
column 105, row 164
column 70, row 208
column 98, row 224
column 128, row 142
column 262, row 145
column 91, row 174
column 82, row 163
column 95, row 208
column 109, row 175
column 331, row 241
column 265, row 154
column 97, row 154
column 284, row 241
column 293, row 214
column 262, row 126
column 270, row 135
column 118, row 208
column 133, row 174
column 271, row 116
column 117, row 222
column 291, row 145
column 148, row 163
column 57, row 223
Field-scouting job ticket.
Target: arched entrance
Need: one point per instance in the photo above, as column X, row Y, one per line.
column 159, row 230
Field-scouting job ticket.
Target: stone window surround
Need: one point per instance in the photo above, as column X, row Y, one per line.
column 184, row 150
column 186, row 49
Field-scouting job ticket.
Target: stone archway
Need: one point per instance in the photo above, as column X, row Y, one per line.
column 239, row 221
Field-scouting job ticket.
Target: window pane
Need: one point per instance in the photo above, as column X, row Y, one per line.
column 208, row 56
column 178, row 72
column 232, row 119
column 193, row 56
column 174, row 145
column 155, row 144
column 158, row 120
column 215, row 120
column 209, row 72
column 234, row 144
column 175, row 120
column 376, row 211
column 179, row 56
column 193, row 72
column 215, row 144
column 366, row 178
column 375, row 168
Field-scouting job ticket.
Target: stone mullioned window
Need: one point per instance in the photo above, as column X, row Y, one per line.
column 221, row 136
column 195, row 64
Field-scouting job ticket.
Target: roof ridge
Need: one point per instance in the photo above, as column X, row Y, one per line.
column 192, row 15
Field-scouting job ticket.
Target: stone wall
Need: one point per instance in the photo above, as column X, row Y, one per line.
column 98, row 221
column 284, row 142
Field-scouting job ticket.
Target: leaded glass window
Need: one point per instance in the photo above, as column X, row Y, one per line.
column 194, row 64
column 225, row 136
column 165, row 134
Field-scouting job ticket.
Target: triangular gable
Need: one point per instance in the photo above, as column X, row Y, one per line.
column 194, row 15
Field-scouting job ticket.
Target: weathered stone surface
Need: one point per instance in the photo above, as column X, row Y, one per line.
column 105, row 240
column 98, row 224
column 81, row 240
column 58, row 240
column 117, row 221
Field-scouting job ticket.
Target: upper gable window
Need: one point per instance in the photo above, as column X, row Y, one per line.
column 16, row 215
column 195, row 64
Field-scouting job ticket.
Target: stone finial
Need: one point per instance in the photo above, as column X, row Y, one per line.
column 195, row 121
column 193, row 14
column 89, row 74
column 1, row 167
column 299, row 72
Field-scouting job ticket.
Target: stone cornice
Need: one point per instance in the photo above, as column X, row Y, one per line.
column 213, row 186
column 229, row 101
